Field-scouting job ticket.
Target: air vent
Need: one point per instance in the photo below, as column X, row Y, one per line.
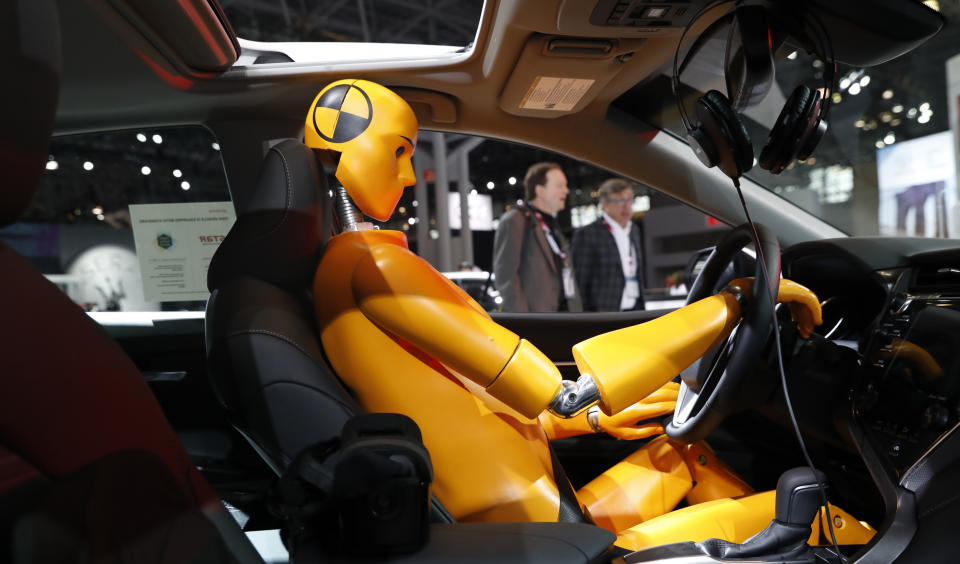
column 930, row 276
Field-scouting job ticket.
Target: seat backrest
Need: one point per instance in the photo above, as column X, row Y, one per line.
column 262, row 344
column 74, row 410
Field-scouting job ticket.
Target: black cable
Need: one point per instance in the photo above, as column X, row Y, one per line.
column 783, row 375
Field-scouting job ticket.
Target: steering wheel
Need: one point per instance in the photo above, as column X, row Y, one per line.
column 723, row 381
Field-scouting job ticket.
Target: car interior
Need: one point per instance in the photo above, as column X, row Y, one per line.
column 190, row 428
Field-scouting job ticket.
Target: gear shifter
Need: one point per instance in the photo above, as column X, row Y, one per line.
column 784, row 541
column 798, row 501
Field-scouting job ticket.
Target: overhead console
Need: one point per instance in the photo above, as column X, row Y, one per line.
column 626, row 18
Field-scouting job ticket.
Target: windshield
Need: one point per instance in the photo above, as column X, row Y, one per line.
column 887, row 164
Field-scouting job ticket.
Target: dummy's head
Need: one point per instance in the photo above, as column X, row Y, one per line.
column 368, row 133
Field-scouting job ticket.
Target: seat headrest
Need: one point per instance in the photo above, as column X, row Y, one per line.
column 279, row 235
column 30, row 43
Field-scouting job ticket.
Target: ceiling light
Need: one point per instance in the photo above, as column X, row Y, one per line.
column 215, row 145
column 145, row 170
column 924, row 106
column 97, row 210
column 490, row 185
column 912, row 113
column 887, row 94
column 792, row 55
column 859, row 123
column 817, row 64
column 177, row 173
column 185, row 185
column 924, row 118
column 889, row 139
column 885, row 117
column 415, row 203
column 141, row 138
column 157, row 139
column 402, row 209
column 935, row 4
column 87, row 166
column 512, row 180
column 844, row 83
column 865, row 80
column 895, row 122
column 411, row 220
column 100, row 217
column 854, row 89
column 836, row 97
column 879, row 144
column 519, row 202
column 52, row 165
column 897, row 108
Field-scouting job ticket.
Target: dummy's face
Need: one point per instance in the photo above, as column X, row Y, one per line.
column 375, row 167
column 619, row 206
column 552, row 195
column 387, row 168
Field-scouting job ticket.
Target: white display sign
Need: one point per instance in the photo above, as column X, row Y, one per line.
column 480, row 208
column 175, row 243
column 918, row 187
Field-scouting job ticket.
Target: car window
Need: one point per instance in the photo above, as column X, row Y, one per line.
column 383, row 22
column 490, row 174
column 106, row 196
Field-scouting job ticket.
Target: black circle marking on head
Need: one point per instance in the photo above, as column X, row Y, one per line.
column 347, row 125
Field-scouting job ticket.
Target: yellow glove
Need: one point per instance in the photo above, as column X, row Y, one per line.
column 803, row 303
column 622, row 425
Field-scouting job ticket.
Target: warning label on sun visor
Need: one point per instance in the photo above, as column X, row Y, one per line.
column 552, row 93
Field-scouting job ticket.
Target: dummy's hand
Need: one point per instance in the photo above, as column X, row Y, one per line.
column 803, row 303
column 624, row 425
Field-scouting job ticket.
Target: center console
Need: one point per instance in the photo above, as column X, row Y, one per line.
column 909, row 397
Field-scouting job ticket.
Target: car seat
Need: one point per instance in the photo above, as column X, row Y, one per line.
column 266, row 364
column 89, row 466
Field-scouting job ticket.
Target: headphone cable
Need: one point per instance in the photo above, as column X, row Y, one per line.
column 783, row 375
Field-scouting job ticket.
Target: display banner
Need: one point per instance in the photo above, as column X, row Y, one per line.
column 175, row 243
column 918, row 187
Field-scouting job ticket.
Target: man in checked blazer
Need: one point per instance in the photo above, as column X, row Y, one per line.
column 531, row 258
column 607, row 255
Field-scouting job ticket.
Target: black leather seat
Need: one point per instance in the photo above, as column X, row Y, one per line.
column 262, row 344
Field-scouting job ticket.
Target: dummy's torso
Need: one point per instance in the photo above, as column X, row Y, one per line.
column 490, row 462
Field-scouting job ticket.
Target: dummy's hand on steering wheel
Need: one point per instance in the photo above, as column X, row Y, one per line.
column 624, row 425
column 803, row 304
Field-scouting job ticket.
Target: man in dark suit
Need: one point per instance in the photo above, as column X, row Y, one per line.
column 531, row 259
column 607, row 253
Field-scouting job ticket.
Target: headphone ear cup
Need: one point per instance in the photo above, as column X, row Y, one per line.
column 785, row 138
column 703, row 146
column 734, row 153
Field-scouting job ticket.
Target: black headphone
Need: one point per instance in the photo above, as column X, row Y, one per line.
column 720, row 139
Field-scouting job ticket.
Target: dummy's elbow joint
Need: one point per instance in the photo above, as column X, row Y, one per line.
column 575, row 397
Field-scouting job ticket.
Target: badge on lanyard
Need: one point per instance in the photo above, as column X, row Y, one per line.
column 569, row 285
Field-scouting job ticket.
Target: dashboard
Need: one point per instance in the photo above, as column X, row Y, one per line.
column 897, row 303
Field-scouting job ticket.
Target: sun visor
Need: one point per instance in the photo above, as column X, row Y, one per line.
column 194, row 35
column 865, row 33
column 557, row 76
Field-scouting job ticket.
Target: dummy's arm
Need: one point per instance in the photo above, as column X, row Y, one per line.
column 405, row 296
column 629, row 364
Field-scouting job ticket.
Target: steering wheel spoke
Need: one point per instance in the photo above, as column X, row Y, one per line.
column 708, row 389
